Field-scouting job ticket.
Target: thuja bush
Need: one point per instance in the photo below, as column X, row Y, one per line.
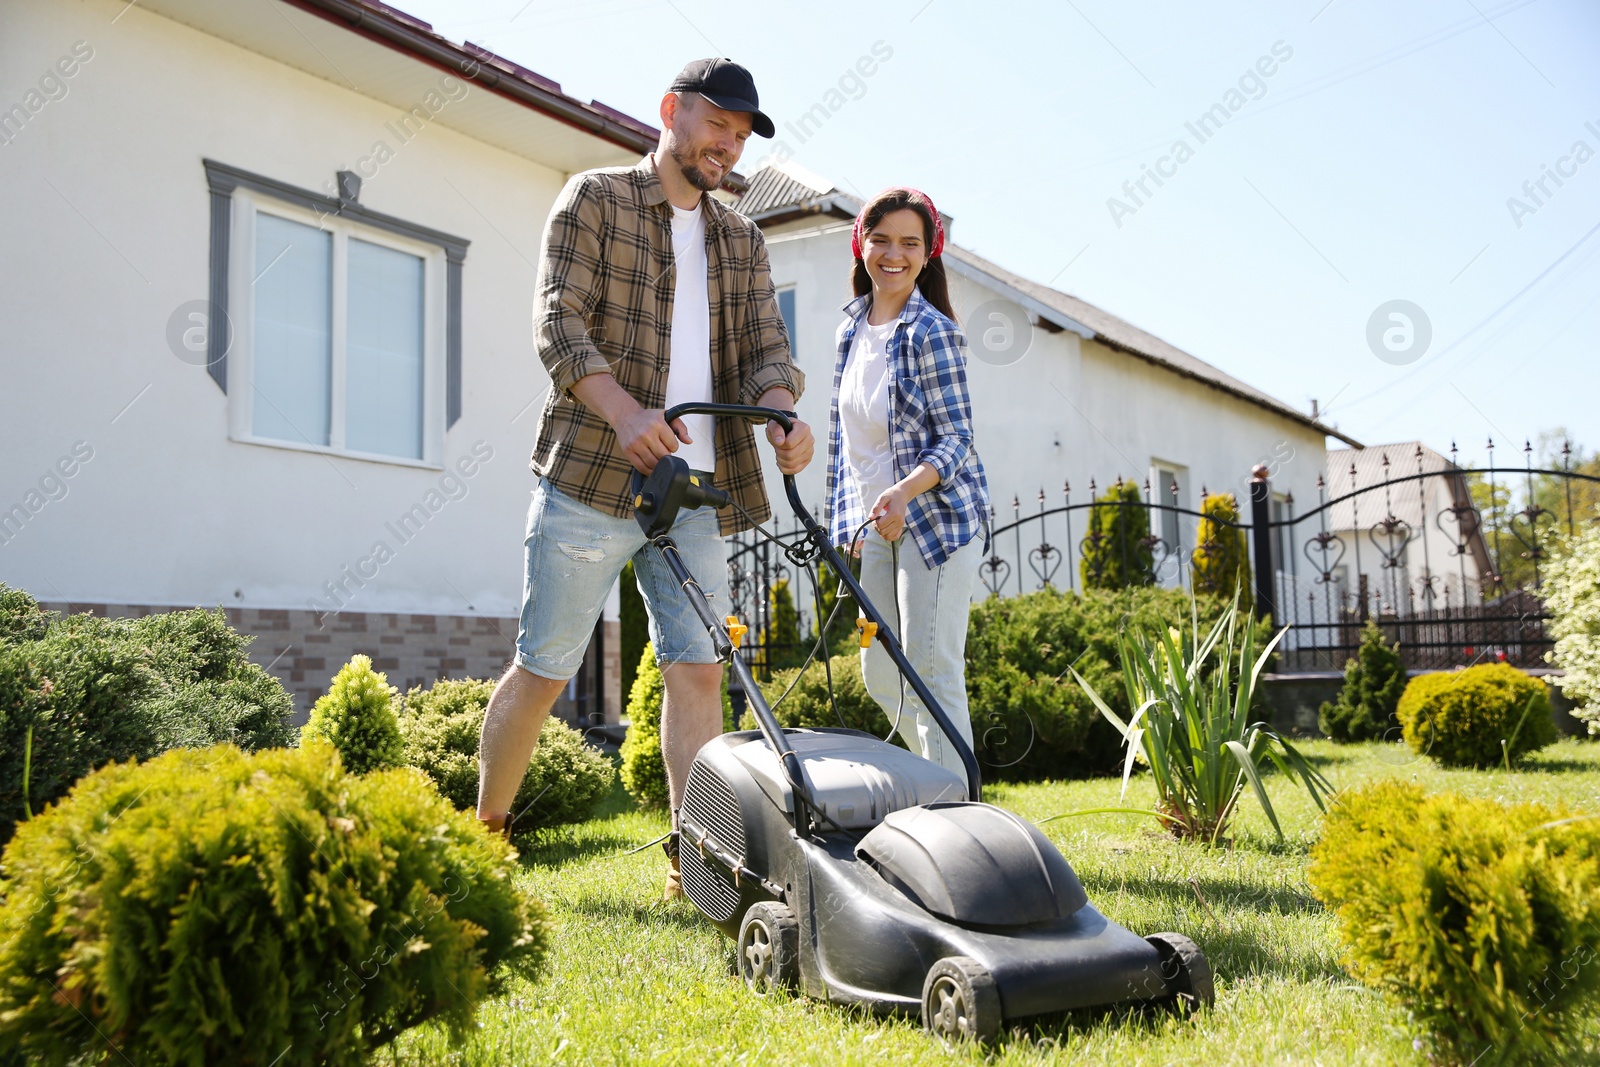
column 356, row 716
column 1220, row 564
column 808, row 703
column 1479, row 917
column 1483, row 716
column 644, row 770
column 1117, row 552
column 1373, row 680
column 439, row 732
column 91, row 690
column 210, row 906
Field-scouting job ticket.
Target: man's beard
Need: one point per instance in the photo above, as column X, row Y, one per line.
column 692, row 173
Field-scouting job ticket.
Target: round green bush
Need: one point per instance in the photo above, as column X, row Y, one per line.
column 215, row 907
column 94, row 690
column 356, row 716
column 1461, row 717
column 644, row 769
column 1479, row 917
column 439, row 731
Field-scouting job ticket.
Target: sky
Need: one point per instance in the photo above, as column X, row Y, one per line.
column 1393, row 210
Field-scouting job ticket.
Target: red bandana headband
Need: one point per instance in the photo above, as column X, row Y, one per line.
column 858, row 233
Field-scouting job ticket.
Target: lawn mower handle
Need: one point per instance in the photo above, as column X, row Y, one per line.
column 819, row 537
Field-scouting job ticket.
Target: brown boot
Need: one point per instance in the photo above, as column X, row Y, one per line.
column 674, row 887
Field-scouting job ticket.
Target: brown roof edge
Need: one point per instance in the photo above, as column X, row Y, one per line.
column 390, row 27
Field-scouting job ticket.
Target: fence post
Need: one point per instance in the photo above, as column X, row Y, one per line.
column 1261, row 533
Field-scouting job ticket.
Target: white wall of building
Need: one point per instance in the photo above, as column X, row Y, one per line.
column 107, row 232
column 1070, row 409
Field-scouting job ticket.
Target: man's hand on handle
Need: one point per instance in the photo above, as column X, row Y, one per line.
column 796, row 447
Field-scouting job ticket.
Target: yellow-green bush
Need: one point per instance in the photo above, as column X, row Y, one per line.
column 440, row 728
column 356, row 716
column 1461, row 717
column 1479, row 917
column 215, row 907
column 644, row 770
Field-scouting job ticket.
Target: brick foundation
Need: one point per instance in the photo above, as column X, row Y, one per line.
column 412, row 650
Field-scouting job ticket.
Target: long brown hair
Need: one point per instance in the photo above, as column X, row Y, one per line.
column 932, row 282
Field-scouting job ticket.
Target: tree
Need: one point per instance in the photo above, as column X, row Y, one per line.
column 1117, row 552
column 1220, row 565
column 1373, row 680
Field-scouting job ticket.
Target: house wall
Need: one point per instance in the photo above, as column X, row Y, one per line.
column 107, row 235
column 1068, row 410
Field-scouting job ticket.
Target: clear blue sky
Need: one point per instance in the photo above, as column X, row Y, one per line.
column 1373, row 164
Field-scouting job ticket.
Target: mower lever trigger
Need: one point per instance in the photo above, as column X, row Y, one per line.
column 869, row 630
column 736, row 629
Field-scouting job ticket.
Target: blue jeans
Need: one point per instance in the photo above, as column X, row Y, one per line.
column 927, row 610
column 574, row 554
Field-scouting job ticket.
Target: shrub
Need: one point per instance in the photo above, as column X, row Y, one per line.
column 1572, row 596
column 1373, row 681
column 215, row 907
column 1117, row 552
column 781, row 639
column 356, row 716
column 439, row 731
column 644, row 770
column 1030, row 720
column 96, row 690
column 1479, row 917
column 633, row 625
column 21, row 617
column 1195, row 728
column 1461, row 718
column 808, row 705
column 1220, row 564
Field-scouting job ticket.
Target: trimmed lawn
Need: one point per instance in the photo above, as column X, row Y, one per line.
column 631, row 980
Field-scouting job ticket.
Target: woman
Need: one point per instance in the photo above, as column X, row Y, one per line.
column 900, row 459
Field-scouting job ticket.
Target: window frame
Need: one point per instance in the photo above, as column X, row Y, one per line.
column 237, row 197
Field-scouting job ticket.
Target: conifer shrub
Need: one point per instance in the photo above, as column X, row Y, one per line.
column 356, row 716
column 808, row 705
column 1373, row 680
column 94, row 690
column 633, row 625
column 211, row 907
column 1478, row 917
column 1220, row 563
column 1483, row 716
column 1118, row 552
column 781, row 638
column 439, row 731
column 644, row 769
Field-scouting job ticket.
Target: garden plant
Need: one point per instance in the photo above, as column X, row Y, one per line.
column 1194, row 726
column 1572, row 596
column 1374, row 678
column 1483, row 716
column 356, row 716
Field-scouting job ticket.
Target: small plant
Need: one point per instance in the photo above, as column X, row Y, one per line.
column 1373, row 681
column 1117, row 553
column 808, row 705
column 644, row 770
column 1479, row 917
column 356, row 716
column 1220, row 565
column 1484, row 716
column 1572, row 596
column 1194, row 726
column 212, row 907
column 440, row 728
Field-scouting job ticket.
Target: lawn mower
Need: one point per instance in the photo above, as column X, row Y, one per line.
column 853, row 871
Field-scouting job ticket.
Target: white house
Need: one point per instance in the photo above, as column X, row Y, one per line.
column 1062, row 391
column 268, row 274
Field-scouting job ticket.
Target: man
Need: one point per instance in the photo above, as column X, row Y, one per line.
column 650, row 294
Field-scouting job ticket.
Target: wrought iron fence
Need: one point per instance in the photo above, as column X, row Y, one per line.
column 1453, row 582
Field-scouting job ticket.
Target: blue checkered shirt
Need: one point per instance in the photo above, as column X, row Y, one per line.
column 930, row 421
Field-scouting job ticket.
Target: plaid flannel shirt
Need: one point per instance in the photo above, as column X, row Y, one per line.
column 604, row 305
column 930, row 421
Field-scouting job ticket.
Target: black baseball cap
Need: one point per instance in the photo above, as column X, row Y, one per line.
column 726, row 84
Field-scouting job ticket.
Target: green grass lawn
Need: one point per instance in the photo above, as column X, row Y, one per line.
column 631, row 980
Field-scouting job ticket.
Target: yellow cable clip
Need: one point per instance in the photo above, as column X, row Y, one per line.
column 736, row 629
column 869, row 630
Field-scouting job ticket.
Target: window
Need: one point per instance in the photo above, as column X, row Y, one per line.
column 341, row 327
column 786, row 309
column 1175, row 529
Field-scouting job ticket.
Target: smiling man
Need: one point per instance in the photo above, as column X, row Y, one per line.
column 650, row 294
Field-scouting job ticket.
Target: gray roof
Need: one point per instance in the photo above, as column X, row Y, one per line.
column 1353, row 469
column 774, row 197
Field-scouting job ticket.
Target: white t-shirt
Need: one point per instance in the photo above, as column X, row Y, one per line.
column 864, row 411
column 689, row 367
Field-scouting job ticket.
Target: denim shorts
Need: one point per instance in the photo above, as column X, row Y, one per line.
column 574, row 554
